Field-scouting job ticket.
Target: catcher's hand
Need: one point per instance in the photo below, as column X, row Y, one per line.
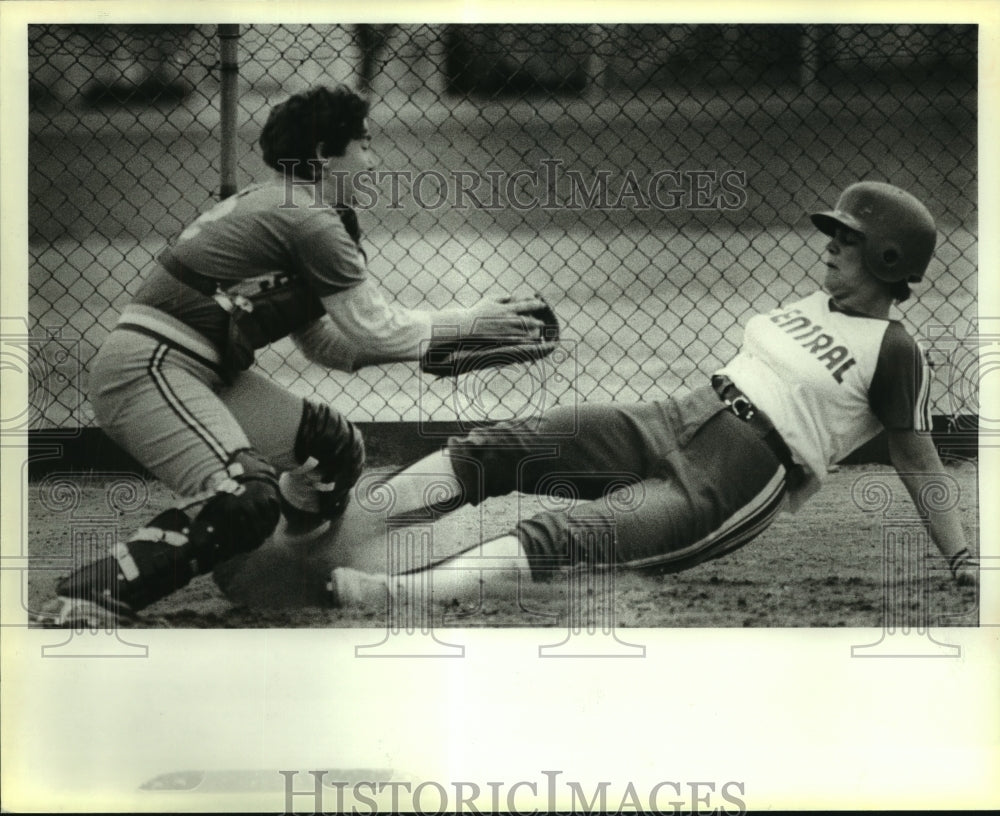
column 499, row 333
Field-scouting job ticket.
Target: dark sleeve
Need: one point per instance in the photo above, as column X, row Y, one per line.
column 327, row 254
column 899, row 393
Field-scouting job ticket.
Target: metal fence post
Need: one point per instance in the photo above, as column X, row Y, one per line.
column 229, row 36
column 811, row 50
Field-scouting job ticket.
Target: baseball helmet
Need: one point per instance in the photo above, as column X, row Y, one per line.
column 898, row 229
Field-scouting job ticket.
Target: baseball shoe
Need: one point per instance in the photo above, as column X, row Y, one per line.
column 354, row 588
column 78, row 613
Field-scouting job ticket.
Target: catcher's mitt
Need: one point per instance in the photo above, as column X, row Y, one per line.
column 449, row 356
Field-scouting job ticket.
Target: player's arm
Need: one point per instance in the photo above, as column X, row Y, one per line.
column 899, row 395
column 919, row 467
column 362, row 328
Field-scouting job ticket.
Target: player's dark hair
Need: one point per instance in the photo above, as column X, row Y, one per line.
column 333, row 116
column 900, row 291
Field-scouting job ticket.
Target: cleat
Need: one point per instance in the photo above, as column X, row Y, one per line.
column 354, row 588
column 77, row 613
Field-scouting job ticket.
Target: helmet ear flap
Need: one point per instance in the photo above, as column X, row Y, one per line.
column 885, row 260
column 891, row 255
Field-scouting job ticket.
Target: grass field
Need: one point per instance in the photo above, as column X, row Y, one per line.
column 820, row 567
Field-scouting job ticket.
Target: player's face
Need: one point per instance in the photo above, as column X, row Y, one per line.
column 845, row 270
column 359, row 157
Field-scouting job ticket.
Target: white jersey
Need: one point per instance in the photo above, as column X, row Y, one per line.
column 830, row 380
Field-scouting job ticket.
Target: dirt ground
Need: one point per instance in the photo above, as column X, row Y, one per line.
column 823, row 567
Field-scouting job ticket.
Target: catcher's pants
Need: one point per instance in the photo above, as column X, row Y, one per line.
column 172, row 411
column 662, row 485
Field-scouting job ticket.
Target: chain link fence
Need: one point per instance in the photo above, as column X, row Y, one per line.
column 651, row 181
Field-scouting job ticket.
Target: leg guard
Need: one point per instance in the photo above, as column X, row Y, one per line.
column 333, row 455
column 167, row 553
column 154, row 562
column 243, row 512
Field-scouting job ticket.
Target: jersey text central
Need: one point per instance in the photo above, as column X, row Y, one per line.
column 814, row 340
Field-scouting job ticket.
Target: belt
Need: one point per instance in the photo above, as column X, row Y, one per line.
column 186, row 275
column 213, row 287
column 151, row 322
column 742, row 408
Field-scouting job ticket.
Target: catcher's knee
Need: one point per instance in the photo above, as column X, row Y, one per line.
column 243, row 512
column 332, row 452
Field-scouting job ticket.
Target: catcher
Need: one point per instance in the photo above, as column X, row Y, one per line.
column 172, row 384
column 688, row 479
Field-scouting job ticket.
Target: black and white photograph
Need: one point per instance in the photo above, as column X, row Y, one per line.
column 373, row 387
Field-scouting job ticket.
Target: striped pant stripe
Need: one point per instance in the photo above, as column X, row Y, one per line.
column 744, row 525
column 922, row 410
column 177, row 405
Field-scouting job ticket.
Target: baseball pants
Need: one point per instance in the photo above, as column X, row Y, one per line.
column 173, row 412
column 661, row 486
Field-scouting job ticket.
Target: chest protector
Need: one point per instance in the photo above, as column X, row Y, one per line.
column 262, row 309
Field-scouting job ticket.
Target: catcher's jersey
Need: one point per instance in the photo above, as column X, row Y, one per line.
column 829, row 380
column 265, row 229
